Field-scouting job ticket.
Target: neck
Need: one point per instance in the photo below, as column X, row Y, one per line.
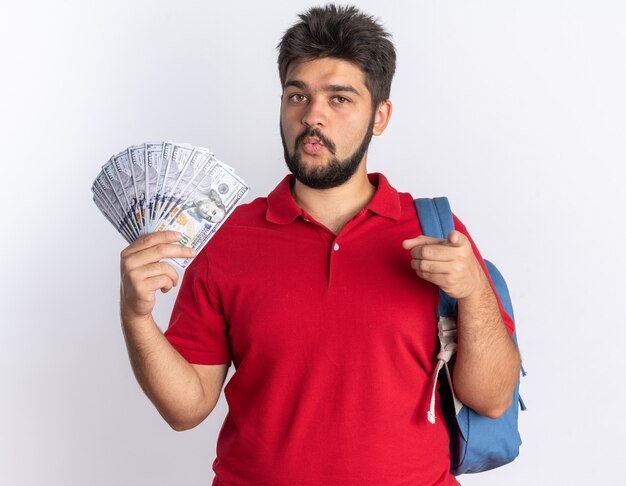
column 336, row 206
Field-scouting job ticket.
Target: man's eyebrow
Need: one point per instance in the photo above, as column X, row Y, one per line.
column 295, row 83
column 341, row 87
column 329, row 87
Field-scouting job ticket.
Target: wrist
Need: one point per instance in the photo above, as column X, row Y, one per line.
column 480, row 288
column 134, row 320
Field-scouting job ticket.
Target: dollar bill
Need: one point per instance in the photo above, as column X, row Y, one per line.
column 112, row 176
column 176, row 162
column 111, row 195
column 137, row 156
column 167, row 186
column 106, row 209
column 191, row 176
column 166, row 155
column 154, row 157
column 104, row 190
column 99, row 204
column 201, row 214
column 122, row 165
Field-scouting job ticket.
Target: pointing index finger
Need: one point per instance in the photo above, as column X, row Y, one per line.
column 421, row 241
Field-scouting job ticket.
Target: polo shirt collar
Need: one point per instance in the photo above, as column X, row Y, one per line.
column 282, row 207
column 386, row 200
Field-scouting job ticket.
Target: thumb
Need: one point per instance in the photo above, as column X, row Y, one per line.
column 456, row 238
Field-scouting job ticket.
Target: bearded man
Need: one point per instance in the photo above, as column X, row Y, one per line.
column 322, row 295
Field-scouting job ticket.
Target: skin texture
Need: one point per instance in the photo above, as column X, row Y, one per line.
column 298, row 99
column 330, row 95
column 184, row 394
column 487, row 362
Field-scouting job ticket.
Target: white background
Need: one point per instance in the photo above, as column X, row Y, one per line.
column 515, row 110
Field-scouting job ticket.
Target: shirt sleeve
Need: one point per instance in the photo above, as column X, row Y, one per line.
column 508, row 321
column 197, row 328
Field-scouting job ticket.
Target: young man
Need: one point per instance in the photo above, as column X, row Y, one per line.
column 323, row 295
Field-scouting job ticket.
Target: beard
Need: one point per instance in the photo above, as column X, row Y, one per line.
column 336, row 172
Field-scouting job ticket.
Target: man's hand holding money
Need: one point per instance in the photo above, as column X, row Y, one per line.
column 143, row 272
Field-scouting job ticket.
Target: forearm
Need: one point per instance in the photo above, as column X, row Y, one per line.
column 487, row 363
column 168, row 380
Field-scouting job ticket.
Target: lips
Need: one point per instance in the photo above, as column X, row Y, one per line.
column 312, row 145
column 312, row 142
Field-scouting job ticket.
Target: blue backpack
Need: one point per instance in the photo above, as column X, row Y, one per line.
column 477, row 443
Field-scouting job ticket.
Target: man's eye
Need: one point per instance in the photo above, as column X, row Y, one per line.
column 297, row 98
column 341, row 100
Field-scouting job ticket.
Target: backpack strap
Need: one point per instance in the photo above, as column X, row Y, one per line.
column 477, row 443
column 436, row 220
column 435, row 217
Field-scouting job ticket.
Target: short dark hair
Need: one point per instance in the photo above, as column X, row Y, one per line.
column 342, row 32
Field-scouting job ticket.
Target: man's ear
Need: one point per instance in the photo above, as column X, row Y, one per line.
column 382, row 116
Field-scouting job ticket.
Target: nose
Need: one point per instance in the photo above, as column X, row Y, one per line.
column 315, row 113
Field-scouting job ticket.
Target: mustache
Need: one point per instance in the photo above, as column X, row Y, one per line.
column 314, row 132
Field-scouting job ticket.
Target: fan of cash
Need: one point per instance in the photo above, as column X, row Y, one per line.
column 168, row 186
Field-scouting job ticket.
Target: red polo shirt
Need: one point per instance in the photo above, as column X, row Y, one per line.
column 334, row 342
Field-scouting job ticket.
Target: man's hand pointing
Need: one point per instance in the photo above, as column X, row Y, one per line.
column 450, row 264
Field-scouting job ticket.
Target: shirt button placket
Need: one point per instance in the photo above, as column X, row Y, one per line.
column 332, row 264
